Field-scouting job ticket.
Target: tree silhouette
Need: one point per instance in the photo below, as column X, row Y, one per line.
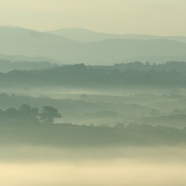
column 48, row 114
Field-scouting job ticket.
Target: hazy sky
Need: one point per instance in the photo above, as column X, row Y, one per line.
column 159, row 17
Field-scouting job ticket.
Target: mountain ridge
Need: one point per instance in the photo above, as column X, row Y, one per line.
column 86, row 35
column 31, row 43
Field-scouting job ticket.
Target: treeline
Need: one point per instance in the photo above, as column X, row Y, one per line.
column 27, row 115
column 82, row 135
column 180, row 66
column 81, row 76
column 168, row 66
column 174, row 120
column 71, row 106
column 6, row 65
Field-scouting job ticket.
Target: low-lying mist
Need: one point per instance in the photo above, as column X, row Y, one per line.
column 80, row 125
column 131, row 166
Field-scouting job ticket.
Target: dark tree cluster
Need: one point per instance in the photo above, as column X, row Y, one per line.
column 26, row 114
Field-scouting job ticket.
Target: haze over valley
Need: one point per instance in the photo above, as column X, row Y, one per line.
column 92, row 93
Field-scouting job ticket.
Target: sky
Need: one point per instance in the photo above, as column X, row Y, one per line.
column 156, row 17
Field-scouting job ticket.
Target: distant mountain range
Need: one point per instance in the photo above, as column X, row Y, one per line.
column 42, row 45
column 84, row 35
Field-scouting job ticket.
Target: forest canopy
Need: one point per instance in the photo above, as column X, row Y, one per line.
column 80, row 75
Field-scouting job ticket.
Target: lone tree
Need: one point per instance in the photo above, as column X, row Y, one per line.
column 48, row 114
